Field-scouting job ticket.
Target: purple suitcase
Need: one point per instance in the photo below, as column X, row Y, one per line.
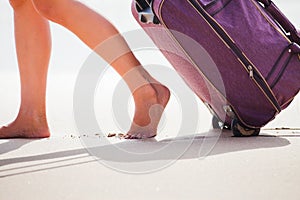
column 241, row 57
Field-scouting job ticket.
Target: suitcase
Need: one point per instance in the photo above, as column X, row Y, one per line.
column 240, row 57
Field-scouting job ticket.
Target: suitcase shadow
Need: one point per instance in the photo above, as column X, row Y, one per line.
column 196, row 146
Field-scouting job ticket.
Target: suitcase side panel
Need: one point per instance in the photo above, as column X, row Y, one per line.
column 246, row 98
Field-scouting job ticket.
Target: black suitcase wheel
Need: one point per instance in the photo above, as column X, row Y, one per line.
column 217, row 124
column 239, row 130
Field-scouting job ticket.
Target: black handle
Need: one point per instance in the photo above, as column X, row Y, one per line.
column 146, row 14
column 283, row 21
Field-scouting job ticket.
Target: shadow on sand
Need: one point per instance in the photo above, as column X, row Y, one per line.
column 140, row 151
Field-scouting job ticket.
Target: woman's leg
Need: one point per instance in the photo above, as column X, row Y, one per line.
column 93, row 29
column 33, row 46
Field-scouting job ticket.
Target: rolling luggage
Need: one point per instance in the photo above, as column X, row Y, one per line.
column 240, row 57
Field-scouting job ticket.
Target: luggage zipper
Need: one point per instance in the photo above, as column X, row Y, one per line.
column 253, row 73
column 250, row 68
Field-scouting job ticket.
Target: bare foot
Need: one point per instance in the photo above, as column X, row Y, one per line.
column 26, row 127
column 150, row 102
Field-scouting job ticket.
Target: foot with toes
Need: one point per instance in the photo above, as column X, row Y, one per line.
column 150, row 102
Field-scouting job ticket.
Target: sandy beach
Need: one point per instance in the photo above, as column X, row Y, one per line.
column 196, row 163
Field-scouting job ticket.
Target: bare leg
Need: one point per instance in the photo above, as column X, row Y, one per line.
column 93, row 29
column 33, row 50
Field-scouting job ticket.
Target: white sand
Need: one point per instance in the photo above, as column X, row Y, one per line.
column 265, row 167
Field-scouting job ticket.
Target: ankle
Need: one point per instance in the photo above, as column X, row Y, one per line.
column 33, row 116
column 146, row 91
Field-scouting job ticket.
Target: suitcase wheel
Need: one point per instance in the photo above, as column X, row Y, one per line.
column 239, row 130
column 217, row 124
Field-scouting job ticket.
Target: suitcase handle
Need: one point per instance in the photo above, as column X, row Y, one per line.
column 145, row 12
column 283, row 21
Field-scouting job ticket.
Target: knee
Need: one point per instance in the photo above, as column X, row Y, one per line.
column 17, row 3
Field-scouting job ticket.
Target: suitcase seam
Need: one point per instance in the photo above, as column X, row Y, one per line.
column 280, row 74
column 211, row 3
column 289, row 100
column 220, row 9
column 275, row 66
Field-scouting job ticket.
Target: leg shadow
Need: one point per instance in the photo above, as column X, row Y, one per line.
column 137, row 155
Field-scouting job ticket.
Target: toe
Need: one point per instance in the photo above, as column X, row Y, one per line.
column 130, row 137
column 138, row 136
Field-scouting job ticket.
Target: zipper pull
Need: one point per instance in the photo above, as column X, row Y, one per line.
column 250, row 68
